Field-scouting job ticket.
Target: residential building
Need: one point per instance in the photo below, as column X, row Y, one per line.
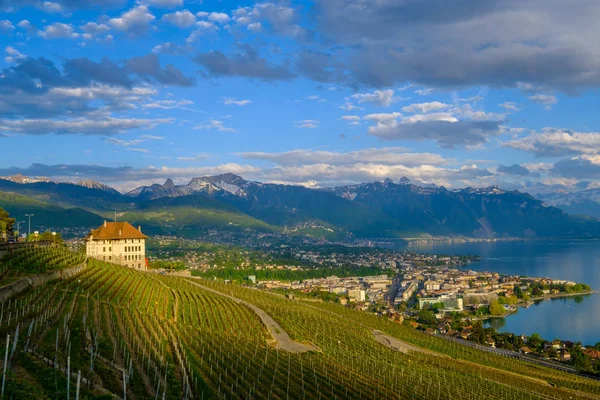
column 118, row 243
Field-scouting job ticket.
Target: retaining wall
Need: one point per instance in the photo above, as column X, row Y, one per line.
column 17, row 287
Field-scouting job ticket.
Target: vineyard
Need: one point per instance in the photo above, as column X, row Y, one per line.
column 27, row 260
column 113, row 332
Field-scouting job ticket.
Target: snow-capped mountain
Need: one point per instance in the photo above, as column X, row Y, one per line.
column 585, row 202
column 228, row 183
column 25, row 179
column 97, row 185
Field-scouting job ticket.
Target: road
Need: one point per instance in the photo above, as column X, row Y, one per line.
column 282, row 339
column 399, row 345
column 518, row 356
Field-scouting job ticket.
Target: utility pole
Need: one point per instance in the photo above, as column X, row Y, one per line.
column 19, row 226
column 29, row 229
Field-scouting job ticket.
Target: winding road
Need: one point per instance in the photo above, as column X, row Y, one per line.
column 282, row 339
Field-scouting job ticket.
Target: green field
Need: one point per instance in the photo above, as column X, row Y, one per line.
column 152, row 336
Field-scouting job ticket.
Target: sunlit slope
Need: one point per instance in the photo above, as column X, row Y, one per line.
column 166, row 336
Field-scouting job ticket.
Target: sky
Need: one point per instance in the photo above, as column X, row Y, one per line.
column 316, row 93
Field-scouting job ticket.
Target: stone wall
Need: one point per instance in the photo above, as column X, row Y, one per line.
column 17, row 287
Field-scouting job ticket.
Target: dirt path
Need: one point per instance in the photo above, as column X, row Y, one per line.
column 282, row 339
column 399, row 345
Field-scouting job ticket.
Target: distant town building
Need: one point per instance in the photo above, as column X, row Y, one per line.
column 118, row 243
column 451, row 303
column 357, row 295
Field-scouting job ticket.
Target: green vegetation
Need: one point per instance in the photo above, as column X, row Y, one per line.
column 35, row 259
column 6, row 223
column 47, row 214
column 188, row 221
column 496, row 308
column 164, row 337
column 287, row 275
column 46, row 237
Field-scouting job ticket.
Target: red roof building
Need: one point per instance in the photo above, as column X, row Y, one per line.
column 118, row 243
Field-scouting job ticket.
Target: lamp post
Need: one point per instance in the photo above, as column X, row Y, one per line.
column 19, row 227
column 54, row 238
column 29, row 229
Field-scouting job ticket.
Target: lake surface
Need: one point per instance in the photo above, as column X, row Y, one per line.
column 576, row 318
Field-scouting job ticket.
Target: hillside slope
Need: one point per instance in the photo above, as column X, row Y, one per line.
column 47, row 216
column 155, row 336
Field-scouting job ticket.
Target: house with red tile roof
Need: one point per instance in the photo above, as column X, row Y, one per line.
column 118, row 243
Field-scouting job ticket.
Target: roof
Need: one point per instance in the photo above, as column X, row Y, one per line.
column 116, row 230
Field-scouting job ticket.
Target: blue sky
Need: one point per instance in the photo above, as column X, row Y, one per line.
column 329, row 92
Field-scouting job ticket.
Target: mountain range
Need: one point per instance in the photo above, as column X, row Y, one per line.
column 585, row 202
column 370, row 210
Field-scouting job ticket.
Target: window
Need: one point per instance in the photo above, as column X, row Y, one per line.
column 104, row 249
column 110, row 249
column 109, row 258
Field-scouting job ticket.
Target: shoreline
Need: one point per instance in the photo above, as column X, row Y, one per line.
column 514, row 308
column 476, row 240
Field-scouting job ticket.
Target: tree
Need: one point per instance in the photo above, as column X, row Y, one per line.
column 496, row 308
column 535, row 340
column 6, row 223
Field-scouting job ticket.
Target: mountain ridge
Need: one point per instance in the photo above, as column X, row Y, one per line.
column 367, row 210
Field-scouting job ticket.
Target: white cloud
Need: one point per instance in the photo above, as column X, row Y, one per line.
column 546, row 100
column 95, row 29
column 123, row 143
column 79, row 126
column 214, row 124
column 232, row 101
column 349, row 107
column 555, row 142
column 12, row 55
column 219, row 17
column 199, row 157
column 510, row 106
column 424, row 92
column 277, row 18
column 152, row 137
column 51, row 7
column 201, row 28
column 307, row 123
column 169, row 104
column 181, row 19
column 352, row 119
column 58, row 30
column 383, row 156
column 425, row 107
column 6, row 25
column 25, row 24
column 135, row 20
column 255, row 27
column 383, row 98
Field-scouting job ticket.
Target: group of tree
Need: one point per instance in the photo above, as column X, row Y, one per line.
column 47, row 236
column 284, row 274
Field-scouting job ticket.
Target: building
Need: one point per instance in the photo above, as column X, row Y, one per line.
column 357, row 295
column 118, row 243
column 451, row 303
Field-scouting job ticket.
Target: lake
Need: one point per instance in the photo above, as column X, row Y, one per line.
column 576, row 318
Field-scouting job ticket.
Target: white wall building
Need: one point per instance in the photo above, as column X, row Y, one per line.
column 118, row 243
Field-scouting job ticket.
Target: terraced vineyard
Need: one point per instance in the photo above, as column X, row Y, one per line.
column 122, row 333
column 27, row 260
